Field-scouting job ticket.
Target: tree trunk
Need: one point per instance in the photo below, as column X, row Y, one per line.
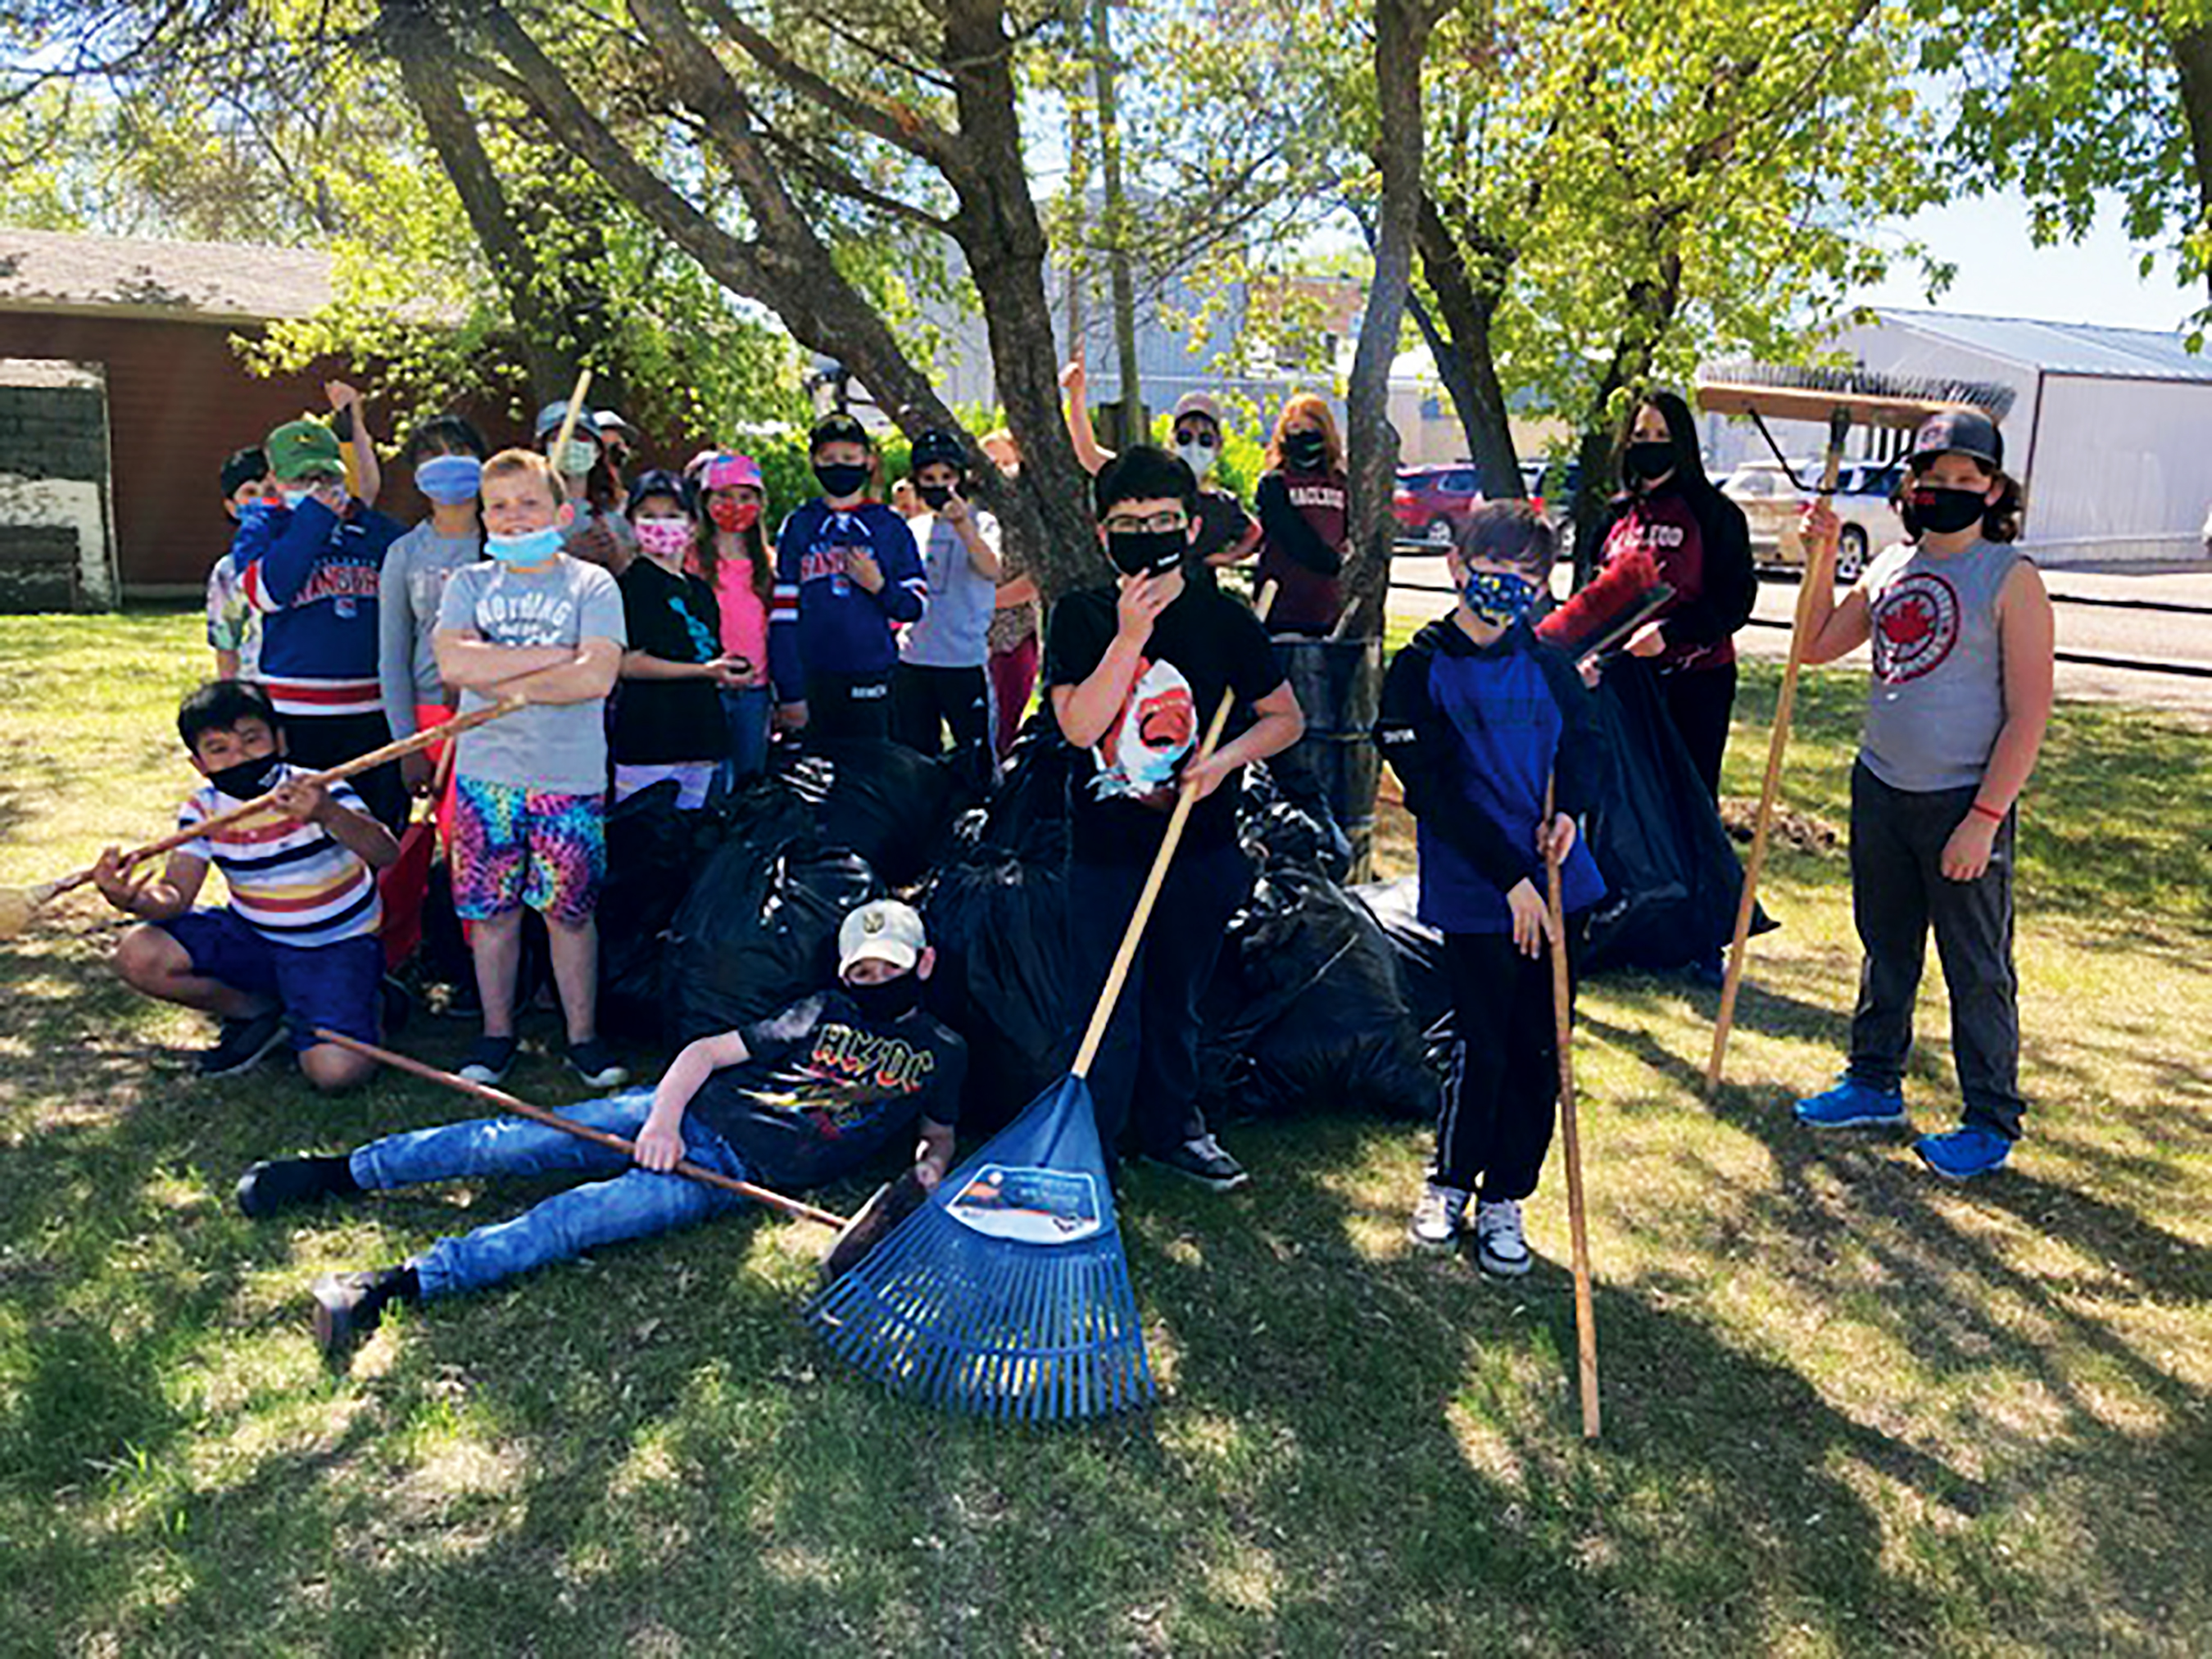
column 1465, row 359
column 2192, row 58
column 1402, row 33
column 1652, row 303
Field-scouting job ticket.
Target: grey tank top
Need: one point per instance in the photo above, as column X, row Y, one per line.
column 1936, row 700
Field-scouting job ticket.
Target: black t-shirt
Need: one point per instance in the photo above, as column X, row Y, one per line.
column 663, row 723
column 826, row 1090
column 1202, row 645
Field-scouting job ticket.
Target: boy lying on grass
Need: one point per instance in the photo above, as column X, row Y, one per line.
column 297, row 947
column 810, row 1094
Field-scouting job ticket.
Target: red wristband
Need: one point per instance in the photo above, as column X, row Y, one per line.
column 1989, row 812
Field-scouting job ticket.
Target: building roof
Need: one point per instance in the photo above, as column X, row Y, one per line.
column 2063, row 348
column 215, row 283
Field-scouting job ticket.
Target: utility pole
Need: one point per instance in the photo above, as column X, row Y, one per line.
column 1131, row 427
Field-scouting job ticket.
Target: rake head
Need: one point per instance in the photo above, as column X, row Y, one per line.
column 1006, row 1294
column 1870, row 397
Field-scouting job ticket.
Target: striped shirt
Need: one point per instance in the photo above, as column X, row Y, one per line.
column 291, row 882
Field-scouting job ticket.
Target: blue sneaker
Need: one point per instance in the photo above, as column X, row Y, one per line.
column 1853, row 1105
column 1963, row 1153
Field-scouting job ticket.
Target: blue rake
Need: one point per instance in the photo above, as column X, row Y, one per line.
column 1007, row 1293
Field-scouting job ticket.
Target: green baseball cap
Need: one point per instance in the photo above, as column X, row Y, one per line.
column 298, row 448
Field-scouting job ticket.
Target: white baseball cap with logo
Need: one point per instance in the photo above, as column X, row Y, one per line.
column 883, row 929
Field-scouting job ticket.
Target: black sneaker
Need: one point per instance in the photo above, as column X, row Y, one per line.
column 278, row 1183
column 595, row 1063
column 1202, row 1160
column 489, row 1061
column 243, row 1045
column 349, row 1306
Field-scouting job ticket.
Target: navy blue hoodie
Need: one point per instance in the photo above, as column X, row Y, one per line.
column 1473, row 732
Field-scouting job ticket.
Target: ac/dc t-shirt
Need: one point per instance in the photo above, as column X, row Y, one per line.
column 667, row 722
column 826, row 1090
column 1201, row 646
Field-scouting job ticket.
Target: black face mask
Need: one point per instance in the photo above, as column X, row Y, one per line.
column 1647, row 458
column 935, row 496
column 1932, row 508
column 1146, row 552
column 247, row 779
column 841, row 478
column 887, row 1000
column 1307, row 449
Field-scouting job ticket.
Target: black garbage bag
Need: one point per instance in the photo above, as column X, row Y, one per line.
column 1672, row 880
column 998, row 923
column 1305, row 1012
column 1277, row 833
column 653, row 850
column 758, row 930
column 1028, row 813
column 893, row 807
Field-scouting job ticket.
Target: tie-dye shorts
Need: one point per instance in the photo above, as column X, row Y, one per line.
column 513, row 846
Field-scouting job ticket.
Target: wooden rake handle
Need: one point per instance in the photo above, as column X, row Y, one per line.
column 1778, row 743
column 507, row 1103
column 1571, row 1146
column 1186, row 797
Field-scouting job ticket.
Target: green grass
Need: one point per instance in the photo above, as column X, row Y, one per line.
column 1848, row 1410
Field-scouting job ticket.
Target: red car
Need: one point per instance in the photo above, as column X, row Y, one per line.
column 1432, row 502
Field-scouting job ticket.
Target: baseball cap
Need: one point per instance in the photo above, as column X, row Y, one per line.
column 938, row 447
column 611, row 425
column 1959, row 432
column 244, row 467
column 723, row 471
column 551, row 416
column 1197, row 403
column 659, row 482
column 883, row 929
column 298, row 448
column 837, row 428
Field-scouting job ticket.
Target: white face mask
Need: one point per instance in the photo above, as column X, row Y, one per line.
column 1199, row 458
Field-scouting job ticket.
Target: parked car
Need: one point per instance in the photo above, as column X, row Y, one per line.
column 1771, row 502
column 1432, row 502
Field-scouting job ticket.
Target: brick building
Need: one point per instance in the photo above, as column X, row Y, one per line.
column 121, row 392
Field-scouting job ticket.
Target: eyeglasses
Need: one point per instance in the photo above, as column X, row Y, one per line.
column 1160, row 524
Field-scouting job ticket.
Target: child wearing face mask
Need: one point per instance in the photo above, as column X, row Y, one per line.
column 1479, row 716
column 311, row 563
column 940, row 681
column 296, row 947
column 1226, row 532
column 446, row 454
column 847, row 574
column 1956, row 710
column 1302, row 503
column 530, row 788
column 234, row 629
column 668, row 719
column 823, row 1089
column 596, row 532
column 733, row 555
column 1134, row 674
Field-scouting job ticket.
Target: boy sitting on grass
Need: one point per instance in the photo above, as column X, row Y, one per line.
column 813, row 1093
column 1478, row 714
column 297, row 944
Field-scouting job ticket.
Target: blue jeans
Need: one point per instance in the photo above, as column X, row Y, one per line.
column 746, row 712
column 633, row 1203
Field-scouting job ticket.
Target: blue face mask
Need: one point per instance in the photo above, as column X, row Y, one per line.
column 450, row 480
column 1497, row 597
column 531, row 547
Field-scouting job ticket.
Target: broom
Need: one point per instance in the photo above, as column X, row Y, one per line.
column 1007, row 1293
column 1841, row 396
column 1571, row 1146
column 507, row 1103
column 19, row 906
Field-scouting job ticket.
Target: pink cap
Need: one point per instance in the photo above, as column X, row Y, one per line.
column 725, row 471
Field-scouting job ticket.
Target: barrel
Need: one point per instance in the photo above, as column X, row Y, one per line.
column 1339, row 684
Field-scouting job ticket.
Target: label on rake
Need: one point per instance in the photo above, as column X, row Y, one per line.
column 1030, row 1206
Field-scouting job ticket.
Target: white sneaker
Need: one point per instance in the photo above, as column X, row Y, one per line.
column 1499, row 1247
column 1437, row 1217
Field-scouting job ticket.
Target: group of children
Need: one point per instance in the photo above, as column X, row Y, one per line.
column 712, row 635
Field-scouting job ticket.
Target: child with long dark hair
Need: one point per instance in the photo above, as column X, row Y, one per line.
column 1962, row 636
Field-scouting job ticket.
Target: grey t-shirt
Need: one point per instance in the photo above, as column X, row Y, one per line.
column 952, row 632
column 562, row 747
column 1936, row 702
column 415, row 570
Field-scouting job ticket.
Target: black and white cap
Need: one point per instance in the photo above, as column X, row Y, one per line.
column 1959, row 432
